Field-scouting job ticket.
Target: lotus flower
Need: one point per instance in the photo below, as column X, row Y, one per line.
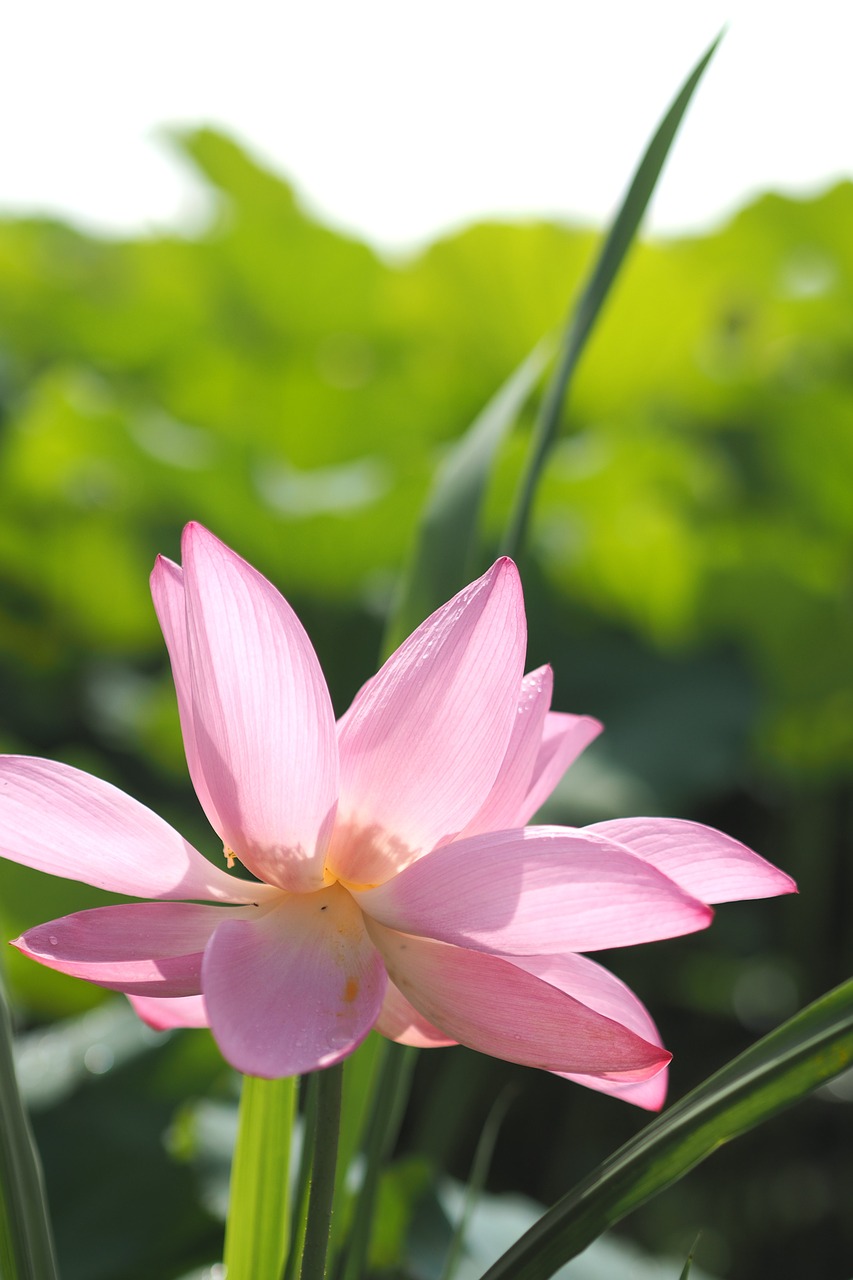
column 397, row 885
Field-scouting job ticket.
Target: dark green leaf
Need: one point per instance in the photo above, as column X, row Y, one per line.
column 803, row 1053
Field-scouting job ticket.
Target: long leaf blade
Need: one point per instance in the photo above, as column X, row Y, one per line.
column 593, row 296
column 444, row 553
column 783, row 1067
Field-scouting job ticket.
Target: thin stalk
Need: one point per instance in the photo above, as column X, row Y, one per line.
column 480, row 1166
column 298, row 1218
column 685, row 1273
column 383, row 1125
column 26, row 1239
column 318, row 1223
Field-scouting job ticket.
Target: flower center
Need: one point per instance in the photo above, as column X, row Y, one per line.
column 361, row 857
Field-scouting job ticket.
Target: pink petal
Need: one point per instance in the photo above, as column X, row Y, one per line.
column 264, row 726
column 68, row 823
column 603, row 991
column 542, row 890
column 422, row 744
column 489, row 1004
column 649, row 1094
column 167, row 592
column 563, row 740
column 165, row 1015
column 142, row 948
column 398, row 1020
column 296, row 990
column 704, row 862
column 505, row 800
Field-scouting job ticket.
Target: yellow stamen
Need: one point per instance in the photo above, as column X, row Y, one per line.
column 230, row 856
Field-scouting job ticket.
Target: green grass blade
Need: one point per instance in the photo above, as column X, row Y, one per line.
column 26, row 1240
column 444, row 557
column 361, row 1072
column 388, row 1105
column 477, row 1178
column 256, row 1234
column 688, row 1262
column 308, row 1097
column 318, row 1223
column 585, row 312
column 784, row 1066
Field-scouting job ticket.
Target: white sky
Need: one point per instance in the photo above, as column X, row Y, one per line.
column 401, row 119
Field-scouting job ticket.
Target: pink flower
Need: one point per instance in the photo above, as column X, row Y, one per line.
column 398, row 886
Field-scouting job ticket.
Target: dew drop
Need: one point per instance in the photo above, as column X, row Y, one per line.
column 53, row 940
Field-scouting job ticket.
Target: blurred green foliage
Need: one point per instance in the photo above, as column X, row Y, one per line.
column 688, row 575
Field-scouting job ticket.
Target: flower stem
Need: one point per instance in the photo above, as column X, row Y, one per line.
column 257, row 1229
column 318, row 1224
column 302, row 1189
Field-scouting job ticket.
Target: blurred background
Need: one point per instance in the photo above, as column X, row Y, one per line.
column 271, row 362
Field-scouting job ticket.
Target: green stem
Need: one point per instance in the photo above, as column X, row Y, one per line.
column 256, row 1233
column 318, row 1224
column 308, row 1093
column 383, row 1125
column 26, row 1241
